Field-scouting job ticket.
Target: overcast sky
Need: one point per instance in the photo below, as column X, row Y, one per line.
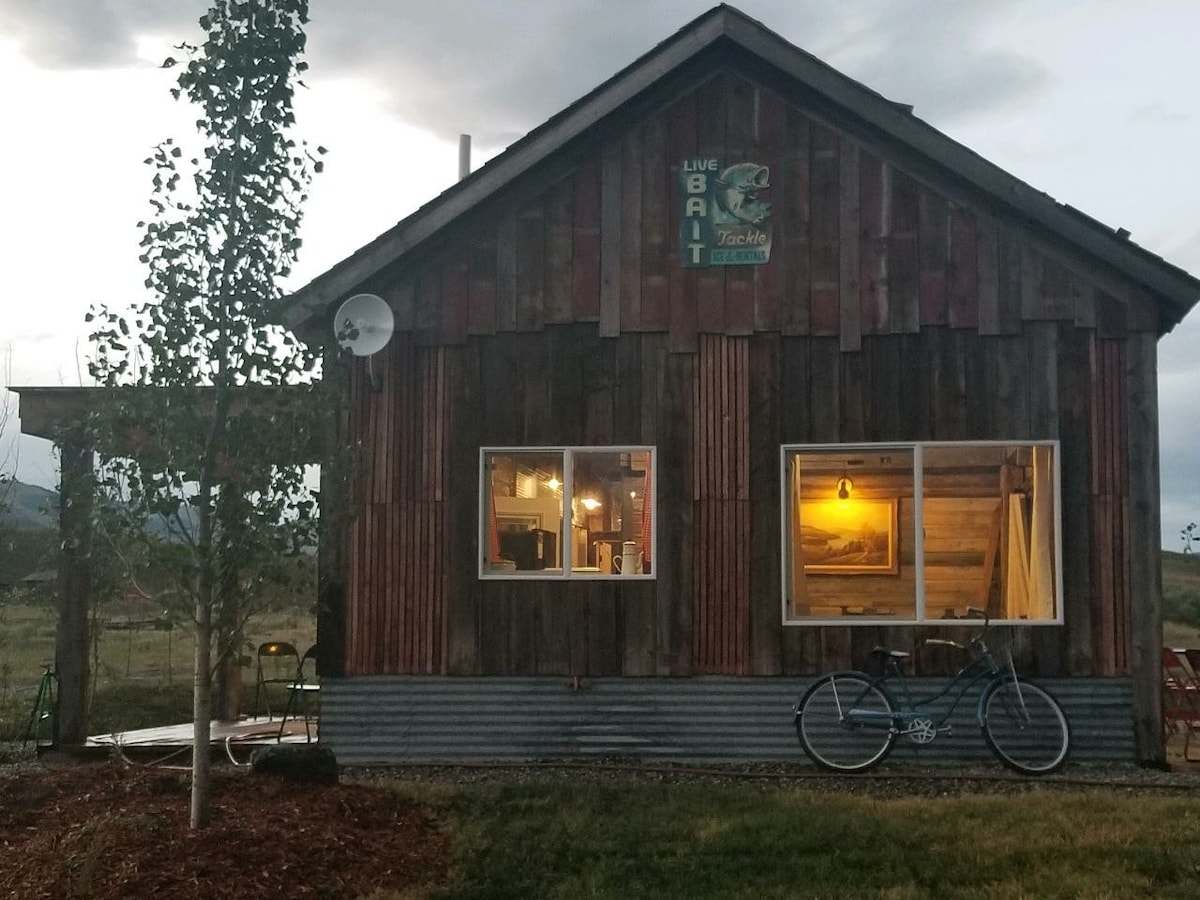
column 1091, row 101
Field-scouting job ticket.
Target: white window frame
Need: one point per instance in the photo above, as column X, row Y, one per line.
column 568, row 453
column 916, row 447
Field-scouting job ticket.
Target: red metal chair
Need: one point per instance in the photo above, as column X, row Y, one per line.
column 1181, row 698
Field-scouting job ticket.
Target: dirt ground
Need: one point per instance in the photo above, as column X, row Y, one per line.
column 104, row 830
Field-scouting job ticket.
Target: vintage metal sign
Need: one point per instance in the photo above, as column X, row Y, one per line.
column 723, row 221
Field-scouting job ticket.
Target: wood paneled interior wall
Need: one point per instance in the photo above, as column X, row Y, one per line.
column 897, row 305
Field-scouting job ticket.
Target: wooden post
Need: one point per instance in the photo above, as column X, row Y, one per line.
column 74, row 590
column 1145, row 541
column 334, row 523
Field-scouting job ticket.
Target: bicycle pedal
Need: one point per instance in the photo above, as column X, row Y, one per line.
column 945, row 729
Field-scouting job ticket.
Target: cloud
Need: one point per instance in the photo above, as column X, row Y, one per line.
column 498, row 70
column 84, row 34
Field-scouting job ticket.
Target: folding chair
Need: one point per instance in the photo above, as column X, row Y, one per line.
column 301, row 693
column 1181, row 698
column 278, row 662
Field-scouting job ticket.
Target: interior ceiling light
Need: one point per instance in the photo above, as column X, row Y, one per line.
column 590, row 503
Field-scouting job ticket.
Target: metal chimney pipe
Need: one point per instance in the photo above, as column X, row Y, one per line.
column 464, row 156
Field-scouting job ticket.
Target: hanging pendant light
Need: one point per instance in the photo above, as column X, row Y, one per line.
column 844, row 487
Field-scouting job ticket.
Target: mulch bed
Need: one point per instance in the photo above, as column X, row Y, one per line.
column 110, row 831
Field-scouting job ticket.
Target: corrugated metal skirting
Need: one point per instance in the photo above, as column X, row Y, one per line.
column 389, row 720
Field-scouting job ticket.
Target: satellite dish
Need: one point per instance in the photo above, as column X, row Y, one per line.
column 364, row 324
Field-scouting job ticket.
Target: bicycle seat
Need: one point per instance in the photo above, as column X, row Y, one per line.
column 885, row 653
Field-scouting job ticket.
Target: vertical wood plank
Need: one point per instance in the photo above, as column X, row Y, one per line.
column 631, row 230
column 764, row 581
column 610, row 239
column 769, row 277
column 559, row 252
column 1008, row 318
column 481, row 288
column 1144, row 540
column 904, row 311
column 427, row 315
column 506, row 273
column 461, row 653
column 874, row 227
column 989, row 275
column 657, row 237
column 676, row 533
column 455, row 287
column 793, row 226
column 585, row 259
column 712, row 101
column 682, row 297
column 401, row 297
column 825, row 215
column 531, row 268
column 1055, row 297
column 1075, row 464
column 850, row 316
column 964, row 269
column 934, row 249
column 741, row 122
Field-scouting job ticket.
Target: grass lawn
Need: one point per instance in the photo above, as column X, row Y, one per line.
column 634, row 837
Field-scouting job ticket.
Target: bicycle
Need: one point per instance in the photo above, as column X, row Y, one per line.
column 850, row 721
column 43, row 719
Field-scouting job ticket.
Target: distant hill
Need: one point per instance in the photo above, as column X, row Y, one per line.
column 28, row 506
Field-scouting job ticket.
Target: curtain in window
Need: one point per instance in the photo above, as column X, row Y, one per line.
column 492, row 525
column 647, row 518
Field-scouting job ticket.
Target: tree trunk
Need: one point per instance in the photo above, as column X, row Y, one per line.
column 202, row 710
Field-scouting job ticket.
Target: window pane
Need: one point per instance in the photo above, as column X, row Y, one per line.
column 989, row 517
column 523, row 512
column 850, row 534
column 612, row 512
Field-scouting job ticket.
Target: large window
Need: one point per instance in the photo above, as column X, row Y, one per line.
column 567, row 512
column 921, row 532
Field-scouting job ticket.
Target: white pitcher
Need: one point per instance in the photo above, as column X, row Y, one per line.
column 630, row 560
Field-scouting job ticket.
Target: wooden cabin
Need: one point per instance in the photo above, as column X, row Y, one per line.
column 727, row 373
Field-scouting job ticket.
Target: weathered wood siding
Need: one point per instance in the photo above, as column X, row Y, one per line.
column 898, row 305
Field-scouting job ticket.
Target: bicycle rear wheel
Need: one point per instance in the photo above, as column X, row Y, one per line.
column 1024, row 726
column 844, row 723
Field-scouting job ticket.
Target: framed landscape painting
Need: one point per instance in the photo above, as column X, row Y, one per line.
column 849, row 537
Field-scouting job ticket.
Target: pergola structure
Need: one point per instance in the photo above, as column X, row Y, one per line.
column 55, row 413
column 58, row 414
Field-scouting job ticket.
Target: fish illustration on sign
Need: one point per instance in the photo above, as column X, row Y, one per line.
column 723, row 219
column 736, row 193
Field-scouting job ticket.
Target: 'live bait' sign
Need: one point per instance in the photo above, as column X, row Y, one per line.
column 723, row 222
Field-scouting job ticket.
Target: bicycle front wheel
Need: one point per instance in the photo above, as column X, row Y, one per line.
column 1024, row 726
column 844, row 723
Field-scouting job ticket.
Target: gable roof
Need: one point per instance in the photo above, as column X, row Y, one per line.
column 725, row 25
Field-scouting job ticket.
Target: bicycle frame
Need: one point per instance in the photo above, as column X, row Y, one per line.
column 981, row 668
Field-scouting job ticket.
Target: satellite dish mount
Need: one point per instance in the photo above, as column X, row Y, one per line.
column 364, row 325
